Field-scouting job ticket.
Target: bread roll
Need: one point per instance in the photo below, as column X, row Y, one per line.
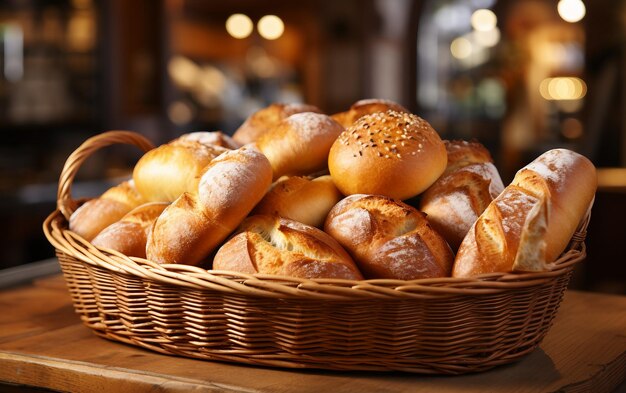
column 129, row 235
column 274, row 245
column 366, row 107
column 299, row 145
column 469, row 183
column 165, row 173
column 267, row 118
column 95, row 215
column 300, row 199
column 216, row 138
column 388, row 238
column 196, row 223
column 392, row 153
column 531, row 222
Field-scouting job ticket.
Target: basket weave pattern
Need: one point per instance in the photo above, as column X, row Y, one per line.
column 434, row 326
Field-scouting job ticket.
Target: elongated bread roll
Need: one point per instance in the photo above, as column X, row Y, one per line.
column 299, row 145
column 267, row 118
column 469, row 183
column 129, row 235
column 366, row 107
column 388, row 238
column 300, row 199
column 531, row 222
column 165, row 173
column 96, row 214
column 196, row 223
column 216, row 138
column 274, row 245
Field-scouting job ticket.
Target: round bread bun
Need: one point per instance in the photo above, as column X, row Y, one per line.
column 129, row 234
column 392, row 153
column 389, row 239
column 300, row 199
column 267, row 118
column 274, row 245
column 366, row 107
column 299, row 145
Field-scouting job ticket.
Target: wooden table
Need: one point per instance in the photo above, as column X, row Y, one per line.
column 43, row 343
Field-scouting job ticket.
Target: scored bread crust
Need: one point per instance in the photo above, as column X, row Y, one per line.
column 469, row 183
column 388, row 238
column 267, row 118
column 274, row 245
column 391, row 153
column 531, row 222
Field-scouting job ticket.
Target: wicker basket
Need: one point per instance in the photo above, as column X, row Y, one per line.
column 433, row 326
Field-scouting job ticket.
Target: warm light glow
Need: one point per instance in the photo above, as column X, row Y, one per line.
column 180, row 112
column 461, row 48
column 484, row 20
column 239, row 26
column 563, row 88
column 487, row 38
column 271, row 27
column 183, row 71
column 571, row 10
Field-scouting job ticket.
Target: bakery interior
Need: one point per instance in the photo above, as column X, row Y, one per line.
column 520, row 77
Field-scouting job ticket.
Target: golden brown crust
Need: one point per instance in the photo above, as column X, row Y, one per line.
column 267, row 118
column 129, row 235
column 388, row 238
column 299, row 144
column 95, row 215
column 165, row 173
column 531, row 222
column 366, row 107
column 195, row 224
column 469, row 183
column 300, row 199
column 274, row 245
column 392, row 153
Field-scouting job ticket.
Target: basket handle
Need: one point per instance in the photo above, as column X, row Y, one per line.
column 65, row 203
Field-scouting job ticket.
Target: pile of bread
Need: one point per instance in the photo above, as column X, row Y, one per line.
column 370, row 193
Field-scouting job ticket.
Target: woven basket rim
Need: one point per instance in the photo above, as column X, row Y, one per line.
column 264, row 285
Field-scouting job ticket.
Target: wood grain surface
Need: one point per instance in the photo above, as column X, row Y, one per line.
column 43, row 344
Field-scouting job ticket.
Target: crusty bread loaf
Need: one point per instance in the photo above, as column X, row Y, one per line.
column 388, row 238
column 531, row 222
column 300, row 199
column 366, row 107
column 469, row 183
column 129, row 235
column 216, row 138
column 96, row 214
column 392, row 153
column 196, row 223
column 299, row 144
column 165, row 173
column 274, row 245
column 267, row 118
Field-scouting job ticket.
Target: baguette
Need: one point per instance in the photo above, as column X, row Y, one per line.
column 196, row 223
column 531, row 222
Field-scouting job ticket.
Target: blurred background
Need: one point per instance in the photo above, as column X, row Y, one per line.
column 520, row 76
